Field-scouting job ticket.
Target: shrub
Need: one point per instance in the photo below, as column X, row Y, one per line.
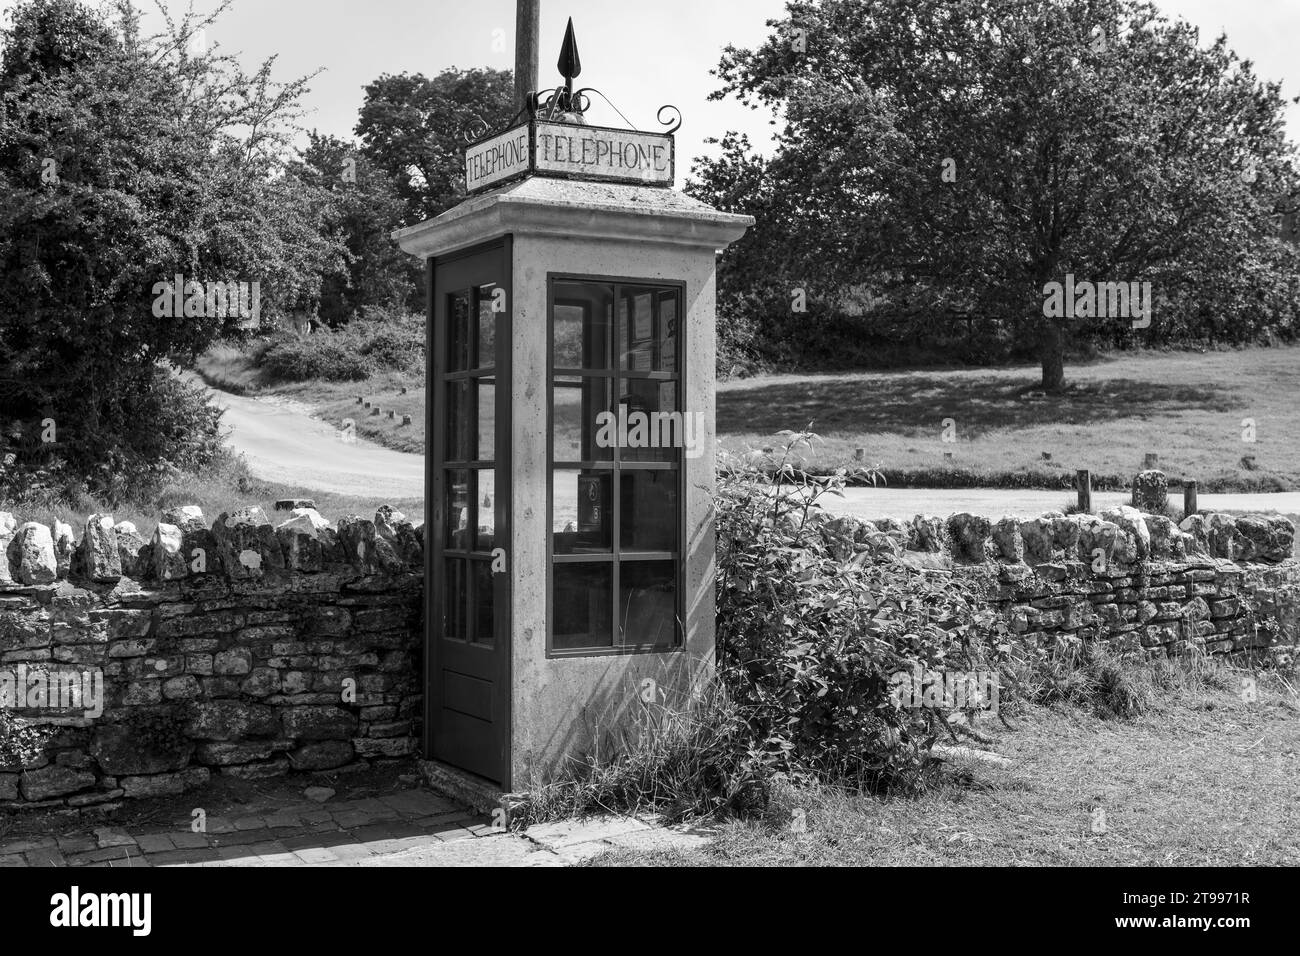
column 391, row 343
column 808, row 642
column 323, row 357
column 159, row 427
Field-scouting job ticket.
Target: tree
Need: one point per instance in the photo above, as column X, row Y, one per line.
column 364, row 210
column 966, row 153
column 413, row 128
column 125, row 161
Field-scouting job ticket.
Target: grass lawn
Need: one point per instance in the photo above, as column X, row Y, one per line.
column 1209, row 780
column 1185, row 407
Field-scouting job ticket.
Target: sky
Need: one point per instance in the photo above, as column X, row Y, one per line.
column 642, row 55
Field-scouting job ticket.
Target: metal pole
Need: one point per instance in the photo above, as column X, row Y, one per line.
column 528, row 22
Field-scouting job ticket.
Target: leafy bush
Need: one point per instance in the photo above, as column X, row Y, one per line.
column 391, row 343
column 157, row 428
column 322, row 357
column 378, row 343
column 808, row 642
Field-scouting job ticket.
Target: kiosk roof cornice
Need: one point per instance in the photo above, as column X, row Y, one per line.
column 573, row 208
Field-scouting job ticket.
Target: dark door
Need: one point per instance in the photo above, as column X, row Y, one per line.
column 468, row 624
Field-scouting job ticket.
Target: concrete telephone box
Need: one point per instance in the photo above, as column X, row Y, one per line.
column 571, row 446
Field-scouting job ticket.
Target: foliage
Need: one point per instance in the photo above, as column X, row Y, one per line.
column 364, row 209
column 413, row 129
column 177, row 429
column 1097, row 139
column 122, row 168
column 808, row 642
column 376, row 343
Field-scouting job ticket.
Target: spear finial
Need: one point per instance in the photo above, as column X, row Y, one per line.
column 570, row 63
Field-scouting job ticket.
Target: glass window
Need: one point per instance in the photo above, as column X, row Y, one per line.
column 486, row 495
column 617, row 434
column 491, row 301
column 581, row 609
column 648, row 512
column 647, row 602
column 483, row 618
column 458, row 332
column 460, row 437
column 460, row 510
column 486, row 415
column 581, row 319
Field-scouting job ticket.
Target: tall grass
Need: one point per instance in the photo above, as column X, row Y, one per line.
column 1092, row 676
column 679, row 763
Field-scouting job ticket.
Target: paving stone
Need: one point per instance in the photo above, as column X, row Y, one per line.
column 283, row 820
column 249, row 823
column 24, row 846
column 12, row 859
column 232, row 853
column 318, row 816
column 115, row 853
column 244, row 838
column 155, row 842
column 314, row 856
column 77, row 843
column 573, row 832
column 351, row 851
column 113, row 836
column 421, row 803
column 442, row 819
column 353, row 818
column 183, row 857
column 402, row 844
column 187, row 839
column 46, row 856
column 279, row 859
column 374, row 806
column 664, row 838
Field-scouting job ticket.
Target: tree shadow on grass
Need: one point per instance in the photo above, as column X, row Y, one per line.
column 909, row 402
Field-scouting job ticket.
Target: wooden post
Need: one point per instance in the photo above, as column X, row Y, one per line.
column 1189, row 499
column 528, row 23
column 1084, row 484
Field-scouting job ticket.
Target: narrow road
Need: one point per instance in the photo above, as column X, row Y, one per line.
column 905, row 503
column 285, row 444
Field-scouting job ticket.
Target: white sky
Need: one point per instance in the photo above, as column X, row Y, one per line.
column 642, row 55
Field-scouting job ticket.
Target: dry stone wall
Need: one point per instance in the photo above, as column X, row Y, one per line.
column 1217, row 582
column 239, row 647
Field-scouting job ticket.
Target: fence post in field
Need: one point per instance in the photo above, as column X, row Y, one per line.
column 1084, row 484
column 1189, row 499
